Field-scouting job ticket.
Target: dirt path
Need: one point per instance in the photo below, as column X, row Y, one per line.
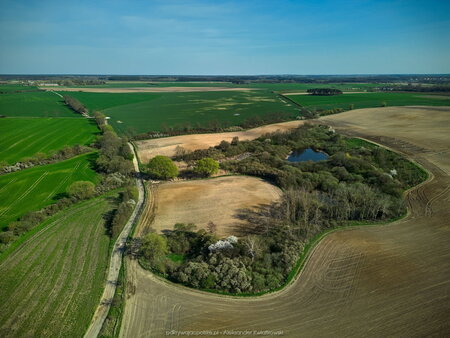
column 166, row 146
column 51, row 91
column 379, row 281
column 115, row 263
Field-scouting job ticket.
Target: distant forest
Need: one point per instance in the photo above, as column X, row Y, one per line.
column 387, row 78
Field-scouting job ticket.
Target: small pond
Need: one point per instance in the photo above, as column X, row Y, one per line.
column 307, row 155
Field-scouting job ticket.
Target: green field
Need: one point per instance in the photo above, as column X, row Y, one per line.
column 12, row 87
column 102, row 101
column 134, row 113
column 31, row 189
column 24, row 137
column 50, row 286
column 34, row 104
column 368, row 100
column 282, row 87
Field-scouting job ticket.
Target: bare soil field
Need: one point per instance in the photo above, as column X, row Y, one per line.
column 372, row 281
column 147, row 149
column 218, row 200
column 146, row 89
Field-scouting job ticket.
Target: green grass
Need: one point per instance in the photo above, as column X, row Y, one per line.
column 135, row 113
column 50, row 286
column 24, row 137
column 176, row 258
column 32, row 189
column 359, row 143
column 369, row 100
column 34, row 104
column 12, row 87
column 102, row 101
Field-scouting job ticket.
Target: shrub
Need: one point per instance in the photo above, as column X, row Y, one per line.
column 81, row 190
column 206, row 167
column 154, row 249
column 6, row 237
column 162, row 167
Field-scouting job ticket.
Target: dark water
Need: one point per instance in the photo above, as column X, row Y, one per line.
column 307, row 155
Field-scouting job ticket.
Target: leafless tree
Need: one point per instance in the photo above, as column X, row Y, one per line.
column 212, row 227
column 253, row 245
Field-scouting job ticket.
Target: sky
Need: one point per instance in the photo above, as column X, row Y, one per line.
column 246, row 37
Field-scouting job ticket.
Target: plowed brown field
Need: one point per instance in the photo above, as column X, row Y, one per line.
column 218, row 200
column 379, row 281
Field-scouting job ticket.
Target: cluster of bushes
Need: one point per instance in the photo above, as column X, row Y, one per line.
column 75, row 104
column 79, row 82
column 445, row 88
column 324, row 91
column 347, row 163
column 114, row 154
column 163, row 168
column 323, row 112
column 199, row 259
column 127, row 202
column 43, row 159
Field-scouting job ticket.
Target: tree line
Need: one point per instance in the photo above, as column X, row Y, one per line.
column 76, row 105
column 324, row 91
column 216, row 126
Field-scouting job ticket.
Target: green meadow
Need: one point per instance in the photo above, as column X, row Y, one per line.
column 24, row 137
column 135, row 113
column 31, row 189
column 34, row 104
column 369, row 100
column 15, row 87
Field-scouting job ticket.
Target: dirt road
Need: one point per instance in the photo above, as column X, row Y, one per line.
column 115, row 263
column 379, row 281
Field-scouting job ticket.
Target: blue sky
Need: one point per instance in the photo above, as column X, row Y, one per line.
column 224, row 37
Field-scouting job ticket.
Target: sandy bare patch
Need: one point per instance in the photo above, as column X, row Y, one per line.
column 147, row 149
column 377, row 281
column 148, row 89
column 201, row 201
